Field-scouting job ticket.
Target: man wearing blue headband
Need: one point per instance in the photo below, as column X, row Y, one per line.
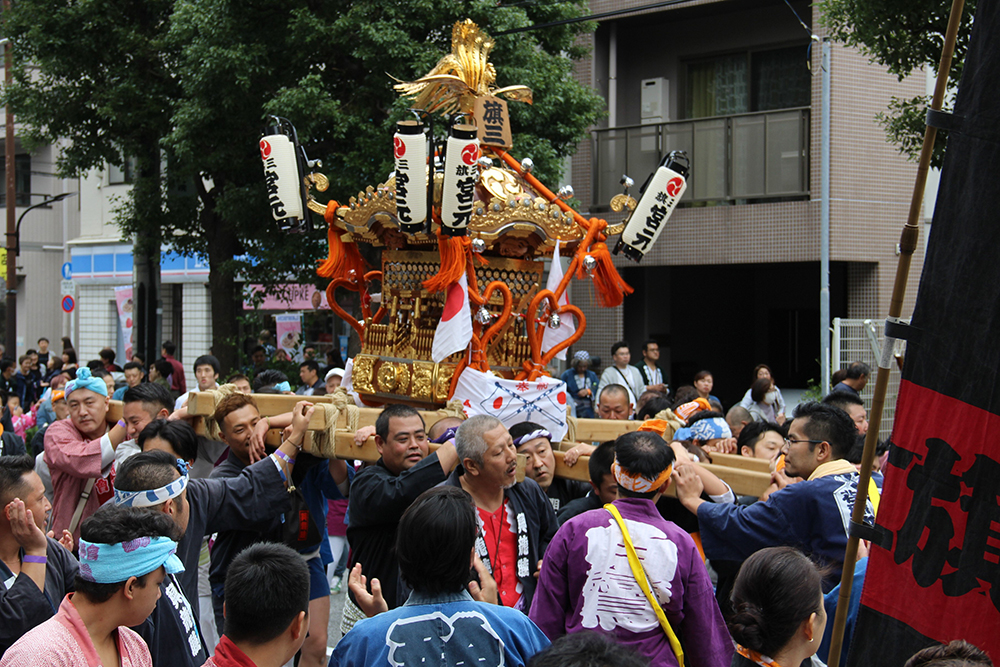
column 125, row 554
column 80, row 451
column 155, row 480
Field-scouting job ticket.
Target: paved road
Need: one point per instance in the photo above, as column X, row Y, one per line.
column 336, row 611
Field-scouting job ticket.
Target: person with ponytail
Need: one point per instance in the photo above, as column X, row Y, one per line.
column 778, row 618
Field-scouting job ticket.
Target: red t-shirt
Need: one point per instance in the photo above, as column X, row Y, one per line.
column 500, row 536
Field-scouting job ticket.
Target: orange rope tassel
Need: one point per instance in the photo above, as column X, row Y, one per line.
column 343, row 258
column 452, row 252
column 325, row 270
column 611, row 289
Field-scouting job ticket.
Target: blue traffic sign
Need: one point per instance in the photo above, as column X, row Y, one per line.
column 68, row 304
column 67, row 271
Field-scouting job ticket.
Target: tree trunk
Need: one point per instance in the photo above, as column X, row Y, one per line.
column 146, row 252
column 226, row 302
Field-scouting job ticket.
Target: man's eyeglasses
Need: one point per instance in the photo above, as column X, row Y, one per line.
column 789, row 441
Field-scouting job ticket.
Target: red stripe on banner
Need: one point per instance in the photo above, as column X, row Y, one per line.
column 941, row 503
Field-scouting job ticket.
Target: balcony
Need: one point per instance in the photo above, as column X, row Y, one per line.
column 735, row 159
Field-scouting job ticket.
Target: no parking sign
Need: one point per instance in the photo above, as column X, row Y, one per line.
column 68, row 304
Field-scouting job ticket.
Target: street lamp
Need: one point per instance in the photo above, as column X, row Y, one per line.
column 13, row 248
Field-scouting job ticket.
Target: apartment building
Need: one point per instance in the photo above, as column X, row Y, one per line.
column 734, row 279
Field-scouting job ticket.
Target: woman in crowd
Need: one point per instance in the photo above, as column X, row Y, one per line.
column 773, row 399
column 69, row 360
column 778, row 618
column 704, row 382
column 761, row 406
column 582, row 384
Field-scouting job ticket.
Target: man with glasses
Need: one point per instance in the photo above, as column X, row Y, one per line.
column 812, row 515
column 652, row 374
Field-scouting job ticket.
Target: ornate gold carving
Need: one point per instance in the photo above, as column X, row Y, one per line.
column 361, row 375
column 320, row 182
column 402, row 378
column 423, row 373
column 618, row 204
column 443, row 383
column 501, row 183
column 505, row 214
column 388, row 377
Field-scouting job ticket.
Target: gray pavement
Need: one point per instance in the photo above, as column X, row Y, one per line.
column 336, row 611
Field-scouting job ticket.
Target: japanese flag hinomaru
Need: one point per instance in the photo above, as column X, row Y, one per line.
column 454, row 331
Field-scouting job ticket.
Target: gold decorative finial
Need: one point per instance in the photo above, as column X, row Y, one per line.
column 461, row 76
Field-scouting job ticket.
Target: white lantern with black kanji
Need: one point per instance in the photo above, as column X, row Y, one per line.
column 409, row 146
column 662, row 193
column 461, row 173
column 282, row 179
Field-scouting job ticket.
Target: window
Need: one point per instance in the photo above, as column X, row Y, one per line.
column 718, row 87
column 751, row 81
column 780, row 79
column 123, row 174
column 22, row 180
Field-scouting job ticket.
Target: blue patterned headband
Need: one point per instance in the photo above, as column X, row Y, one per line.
column 113, row 563
column 155, row 497
column 84, row 380
column 283, row 386
column 710, row 429
column 527, row 437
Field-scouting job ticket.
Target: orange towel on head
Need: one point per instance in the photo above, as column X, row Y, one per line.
column 657, row 426
column 688, row 409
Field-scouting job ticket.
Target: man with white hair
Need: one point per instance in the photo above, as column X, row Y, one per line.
column 516, row 520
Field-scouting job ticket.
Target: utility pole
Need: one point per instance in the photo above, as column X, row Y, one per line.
column 11, row 203
column 824, row 225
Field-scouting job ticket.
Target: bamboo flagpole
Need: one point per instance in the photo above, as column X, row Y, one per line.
column 907, row 245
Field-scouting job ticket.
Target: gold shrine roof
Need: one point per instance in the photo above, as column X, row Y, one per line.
column 506, row 206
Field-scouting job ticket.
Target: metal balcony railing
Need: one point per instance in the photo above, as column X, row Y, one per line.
column 751, row 156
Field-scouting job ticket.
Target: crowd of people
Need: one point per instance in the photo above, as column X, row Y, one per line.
column 149, row 542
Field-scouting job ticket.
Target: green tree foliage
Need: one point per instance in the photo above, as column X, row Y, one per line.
column 902, row 35
column 186, row 85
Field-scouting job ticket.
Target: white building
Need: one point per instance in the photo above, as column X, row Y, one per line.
column 102, row 260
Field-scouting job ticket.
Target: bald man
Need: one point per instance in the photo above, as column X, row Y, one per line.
column 614, row 403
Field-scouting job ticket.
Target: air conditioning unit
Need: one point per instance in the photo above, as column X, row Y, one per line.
column 654, row 97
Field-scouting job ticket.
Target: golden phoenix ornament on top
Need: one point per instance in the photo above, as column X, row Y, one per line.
column 461, row 76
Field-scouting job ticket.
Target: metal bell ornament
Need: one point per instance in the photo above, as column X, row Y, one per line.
column 527, row 164
column 627, row 182
column 483, row 316
column 478, row 245
column 554, row 321
column 485, row 162
column 589, row 264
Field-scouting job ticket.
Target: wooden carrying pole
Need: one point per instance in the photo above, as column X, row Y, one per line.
column 746, row 476
column 907, row 245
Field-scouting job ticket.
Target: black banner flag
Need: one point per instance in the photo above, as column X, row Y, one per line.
column 940, row 579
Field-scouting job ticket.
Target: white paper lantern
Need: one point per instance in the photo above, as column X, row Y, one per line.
column 410, row 150
column 461, row 173
column 654, row 208
column 282, row 179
